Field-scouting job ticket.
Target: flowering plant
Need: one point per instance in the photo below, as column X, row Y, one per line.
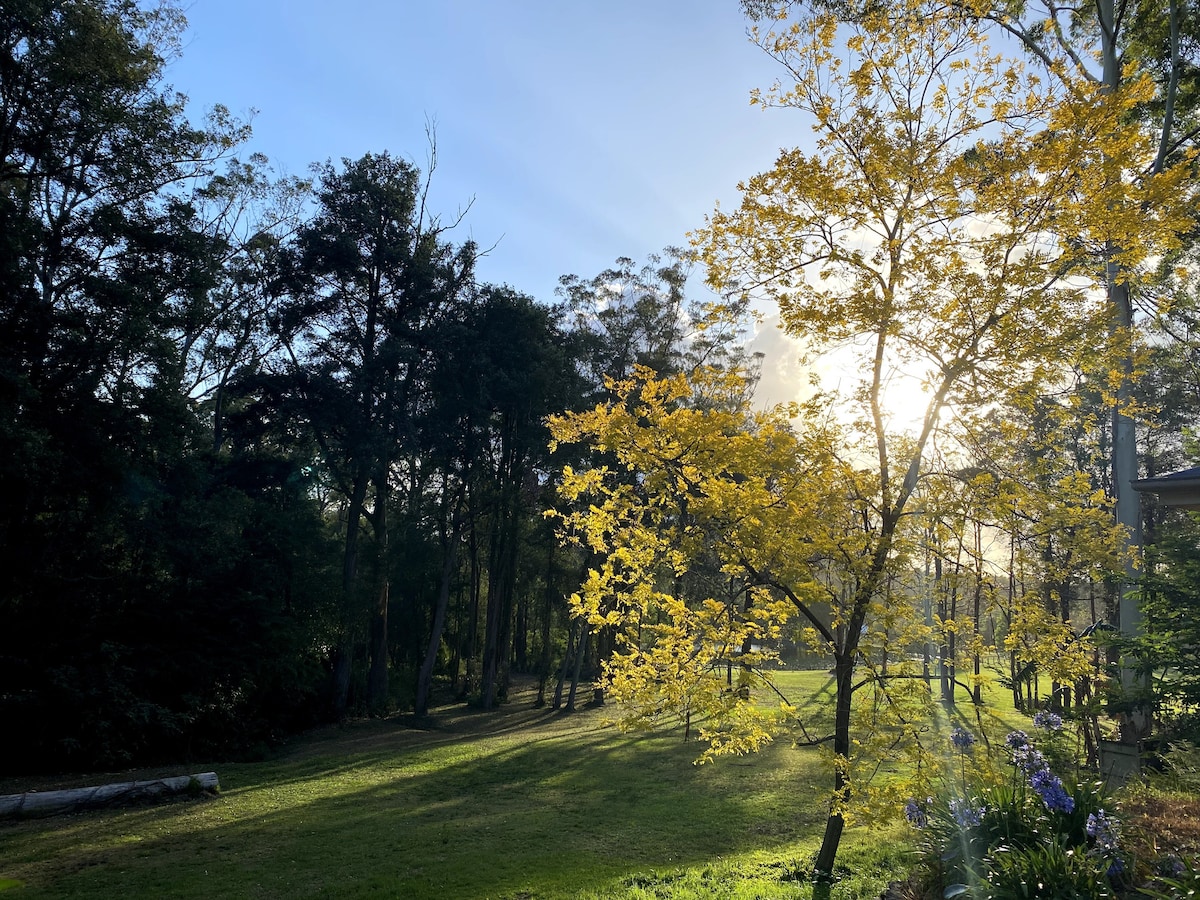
column 1026, row 835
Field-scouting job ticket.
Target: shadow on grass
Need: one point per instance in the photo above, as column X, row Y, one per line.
column 522, row 805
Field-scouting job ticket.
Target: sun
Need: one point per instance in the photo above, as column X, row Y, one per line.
column 905, row 400
column 784, row 376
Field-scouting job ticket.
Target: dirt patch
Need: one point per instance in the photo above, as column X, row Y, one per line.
column 1162, row 824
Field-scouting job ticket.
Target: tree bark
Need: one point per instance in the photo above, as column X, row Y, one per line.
column 566, row 662
column 836, row 823
column 377, row 679
column 547, row 619
column 49, row 803
column 501, row 588
column 449, row 564
column 343, row 660
column 580, row 651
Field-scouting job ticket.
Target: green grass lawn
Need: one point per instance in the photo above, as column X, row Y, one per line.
column 516, row 803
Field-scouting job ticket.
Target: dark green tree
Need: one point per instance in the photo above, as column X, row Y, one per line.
column 365, row 282
column 160, row 591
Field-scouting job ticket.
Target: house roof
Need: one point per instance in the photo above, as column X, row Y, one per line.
column 1180, row 488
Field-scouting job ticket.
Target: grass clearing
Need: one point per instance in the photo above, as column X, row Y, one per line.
column 515, row 803
column 519, row 803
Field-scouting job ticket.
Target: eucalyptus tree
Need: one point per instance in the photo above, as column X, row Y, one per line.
column 627, row 316
column 366, row 280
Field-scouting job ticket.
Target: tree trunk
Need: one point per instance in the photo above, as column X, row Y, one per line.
column 449, row 564
column 377, row 681
column 580, row 652
column 836, row 823
column 945, row 647
column 476, row 590
column 520, row 634
column 343, row 660
column 456, row 656
column 501, row 588
column 1135, row 724
column 491, row 636
column 566, row 662
column 977, row 661
column 48, row 803
column 547, row 619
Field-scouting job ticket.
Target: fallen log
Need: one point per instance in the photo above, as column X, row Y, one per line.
column 49, row 803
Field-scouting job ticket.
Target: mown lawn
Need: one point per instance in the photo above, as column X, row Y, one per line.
column 516, row 803
column 519, row 803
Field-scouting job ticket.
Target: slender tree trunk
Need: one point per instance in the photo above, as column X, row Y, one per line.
column 456, row 657
column 495, row 613
column 566, row 662
column 476, row 591
column 449, row 564
column 836, row 823
column 927, row 592
column 1061, row 693
column 945, row 646
column 1013, row 668
column 844, row 663
column 377, row 680
column 343, row 660
column 547, row 618
column 502, row 579
column 977, row 661
column 580, row 652
column 520, row 634
column 504, row 644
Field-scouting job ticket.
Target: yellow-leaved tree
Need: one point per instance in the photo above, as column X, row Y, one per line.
column 941, row 227
column 715, row 530
column 701, row 529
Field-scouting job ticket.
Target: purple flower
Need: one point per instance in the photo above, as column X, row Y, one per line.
column 1050, row 787
column 1102, row 829
column 1116, row 867
column 966, row 815
column 1048, row 720
column 1030, row 760
column 915, row 814
column 1017, row 739
column 962, row 739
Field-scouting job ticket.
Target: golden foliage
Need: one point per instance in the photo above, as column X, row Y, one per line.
column 701, row 528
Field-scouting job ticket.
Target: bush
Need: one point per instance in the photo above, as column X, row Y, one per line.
column 1026, row 835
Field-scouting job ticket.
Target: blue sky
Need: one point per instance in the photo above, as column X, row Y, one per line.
column 583, row 130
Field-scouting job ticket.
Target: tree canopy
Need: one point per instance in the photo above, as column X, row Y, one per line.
column 945, row 223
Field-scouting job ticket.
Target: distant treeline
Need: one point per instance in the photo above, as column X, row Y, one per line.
column 269, row 454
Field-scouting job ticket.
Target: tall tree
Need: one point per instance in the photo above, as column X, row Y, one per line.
column 93, row 160
column 935, row 228
column 1150, row 56
column 366, row 278
column 152, row 581
column 225, row 333
column 510, row 364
